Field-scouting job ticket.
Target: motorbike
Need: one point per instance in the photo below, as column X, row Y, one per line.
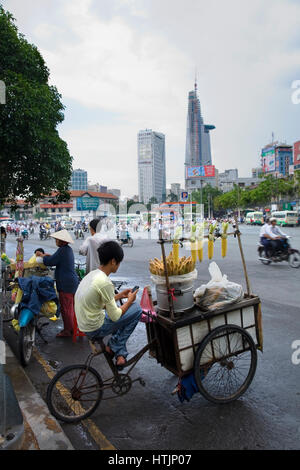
column 124, row 238
column 27, row 324
column 24, row 234
column 48, row 233
column 79, row 233
column 43, row 234
column 287, row 253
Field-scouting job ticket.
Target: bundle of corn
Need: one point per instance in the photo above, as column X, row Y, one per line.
column 200, row 250
column 200, row 241
column 183, row 266
column 176, row 251
column 194, row 244
column 210, row 243
column 177, row 235
column 224, row 238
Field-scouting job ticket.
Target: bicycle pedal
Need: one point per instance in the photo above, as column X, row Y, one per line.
column 142, row 382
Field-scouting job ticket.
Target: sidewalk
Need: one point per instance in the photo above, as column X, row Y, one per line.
column 41, row 430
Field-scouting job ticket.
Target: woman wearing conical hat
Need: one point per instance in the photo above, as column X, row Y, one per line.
column 66, row 277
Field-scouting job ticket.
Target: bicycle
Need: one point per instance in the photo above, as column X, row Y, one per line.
column 6, row 293
column 77, row 390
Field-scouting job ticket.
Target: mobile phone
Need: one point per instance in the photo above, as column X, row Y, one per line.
column 134, row 289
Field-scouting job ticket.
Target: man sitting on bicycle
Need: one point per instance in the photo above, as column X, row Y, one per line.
column 96, row 294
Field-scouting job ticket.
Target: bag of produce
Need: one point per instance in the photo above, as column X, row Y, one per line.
column 218, row 292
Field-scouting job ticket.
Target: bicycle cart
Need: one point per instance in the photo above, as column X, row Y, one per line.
column 218, row 347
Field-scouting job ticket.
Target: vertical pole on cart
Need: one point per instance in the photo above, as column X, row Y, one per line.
column 170, row 297
column 242, row 256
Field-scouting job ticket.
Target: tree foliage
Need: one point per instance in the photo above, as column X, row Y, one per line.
column 206, row 197
column 269, row 190
column 34, row 160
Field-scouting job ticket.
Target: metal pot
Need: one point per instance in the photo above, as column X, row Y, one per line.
column 183, row 296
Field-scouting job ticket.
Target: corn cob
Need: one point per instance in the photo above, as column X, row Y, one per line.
column 184, row 266
column 210, row 243
column 193, row 244
column 176, row 252
column 200, row 251
column 224, row 238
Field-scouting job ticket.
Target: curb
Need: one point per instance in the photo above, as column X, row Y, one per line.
column 41, row 430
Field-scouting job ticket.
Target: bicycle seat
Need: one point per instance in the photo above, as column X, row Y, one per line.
column 94, row 348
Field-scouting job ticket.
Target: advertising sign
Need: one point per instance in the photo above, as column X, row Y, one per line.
column 206, row 171
column 87, row 203
column 268, row 159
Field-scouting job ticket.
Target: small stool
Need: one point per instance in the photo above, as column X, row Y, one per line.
column 76, row 330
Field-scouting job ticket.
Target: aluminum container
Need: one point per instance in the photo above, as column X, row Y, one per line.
column 183, row 293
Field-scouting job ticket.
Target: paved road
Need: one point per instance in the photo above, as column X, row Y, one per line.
column 266, row 417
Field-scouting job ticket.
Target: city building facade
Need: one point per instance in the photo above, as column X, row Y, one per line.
column 79, row 180
column 198, row 162
column 277, row 159
column 115, row 192
column 151, row 166
column 296, row 148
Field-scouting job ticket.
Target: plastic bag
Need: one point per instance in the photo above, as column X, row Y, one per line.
column 182, row 278
column 218, row 292
column 49, row 308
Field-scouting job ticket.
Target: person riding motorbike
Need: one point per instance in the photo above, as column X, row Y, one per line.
column 265, row 239
column 277, row 237
column 43, row 231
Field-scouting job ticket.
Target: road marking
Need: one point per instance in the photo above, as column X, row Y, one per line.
column 94, row 431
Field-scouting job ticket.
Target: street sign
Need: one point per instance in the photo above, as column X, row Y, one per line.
column 184, row 195
column 87, row 203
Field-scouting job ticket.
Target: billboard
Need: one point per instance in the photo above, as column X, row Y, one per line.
column 268, row 159
column 87, row 203
column 206, row 171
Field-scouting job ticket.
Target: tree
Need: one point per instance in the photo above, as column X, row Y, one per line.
column 34, row 160
column 172, row 197
column 152, row 200
column 206, row 197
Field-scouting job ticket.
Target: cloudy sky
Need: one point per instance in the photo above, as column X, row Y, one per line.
column 126, row 65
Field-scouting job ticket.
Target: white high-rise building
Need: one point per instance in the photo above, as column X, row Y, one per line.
column 151, row 166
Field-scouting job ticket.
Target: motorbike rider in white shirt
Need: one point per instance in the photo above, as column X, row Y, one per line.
column 265, row 239
column 276, row 235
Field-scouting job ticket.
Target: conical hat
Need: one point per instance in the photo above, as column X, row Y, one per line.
column 63, row 235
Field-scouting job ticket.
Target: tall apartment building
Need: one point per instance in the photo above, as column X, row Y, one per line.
column 79, row 180
column 151, row 166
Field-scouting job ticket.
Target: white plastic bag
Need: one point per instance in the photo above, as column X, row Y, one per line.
column 218, row 292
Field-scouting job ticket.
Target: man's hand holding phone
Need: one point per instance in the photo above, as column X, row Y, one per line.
column 132, row 294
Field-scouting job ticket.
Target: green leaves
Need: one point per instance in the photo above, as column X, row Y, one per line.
column 265, row 193
column 34, row 160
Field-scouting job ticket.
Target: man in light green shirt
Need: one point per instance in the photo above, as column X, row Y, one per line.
column 96, row 294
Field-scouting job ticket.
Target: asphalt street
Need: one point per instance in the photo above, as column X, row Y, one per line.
column 266, row 417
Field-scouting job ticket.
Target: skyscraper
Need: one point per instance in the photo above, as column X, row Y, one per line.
column 198, row 150
column 151, row 166
column 79, row 180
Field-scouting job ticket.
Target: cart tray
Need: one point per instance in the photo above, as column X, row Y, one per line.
column 179, row 339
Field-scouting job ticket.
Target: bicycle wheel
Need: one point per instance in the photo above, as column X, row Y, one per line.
column 6, row 311
column 225, row 364
column 74, row 393
column 26, row 343
column 294, row 260
column 130, row 242
column 6, row 304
